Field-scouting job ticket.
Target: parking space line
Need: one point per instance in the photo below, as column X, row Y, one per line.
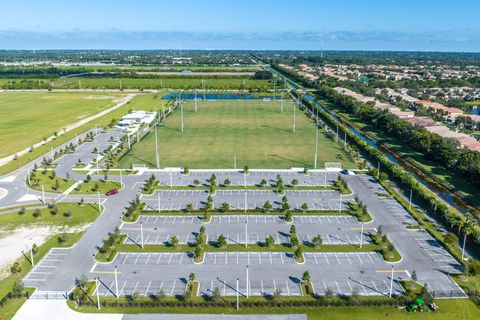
column 148, row 287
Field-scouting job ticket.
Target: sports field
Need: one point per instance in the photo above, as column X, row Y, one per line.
column 27, row 117
column 255, row 130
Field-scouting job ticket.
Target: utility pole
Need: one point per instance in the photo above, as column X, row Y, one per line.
column 43, row 194
column 157, row 156
column 340, row 204
column 325, row 182
column 121, row 179
column 31, row 257
column 116, row 282
column 463, row 246
column 337, row 134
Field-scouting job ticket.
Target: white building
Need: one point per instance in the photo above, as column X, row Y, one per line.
column 134, row 120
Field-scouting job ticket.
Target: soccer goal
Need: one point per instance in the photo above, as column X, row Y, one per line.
column 333, row 166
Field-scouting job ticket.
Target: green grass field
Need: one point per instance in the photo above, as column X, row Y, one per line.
column 27, row 117
column 256, row 131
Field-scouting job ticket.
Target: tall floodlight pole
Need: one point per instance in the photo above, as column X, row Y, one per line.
column 361, row 237
column 141, row 233
column 98, row 294
column 378, row 168
column 235, row 161
column 337, row 134
column 463, row 246
column 391, row 283
column 195, row 100
column 171, row 179
column 51, row 154
column 325, row 177
column 43, row 194
column 128, row 140
column 238, row 296
column 181, row 113
column 247, row 283
column 116, row 283
column 294, row 107
column 316, row 143
column 157, row 156
column 121, row 179
column 158, row 200
column 281, row 104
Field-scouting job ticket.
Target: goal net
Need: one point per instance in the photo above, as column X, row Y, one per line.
column 333, row 166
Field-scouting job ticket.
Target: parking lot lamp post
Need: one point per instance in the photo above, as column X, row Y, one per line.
column 361, row 237
column 128, row 140
column 410, row 201
column 391, row 283
column 31, row 257
column 378, row 168
column 294, row 107
column 235, row 161
column 99, row 204
column 340, row 204
column 51, row 154
column 181, row 113
column 121, row 179
column 43, row 194
column 246, row 232
column 116, row 283
column 141, row 234
column 157, row 156
column 463, row 246
column 245, row 209
column 28, row 176
column 345, row 141
column 238, row 297
column 171, row 179
column 325, row 182
column 247, row 283
column 97, row 285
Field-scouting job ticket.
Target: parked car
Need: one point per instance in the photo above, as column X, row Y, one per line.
column 111, row 192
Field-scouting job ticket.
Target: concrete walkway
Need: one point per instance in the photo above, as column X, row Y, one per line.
column 39, row 309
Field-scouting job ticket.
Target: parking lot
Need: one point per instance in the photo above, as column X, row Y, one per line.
column 241, row 229
column 237, row 178
column 45, row 268
column 254, row 199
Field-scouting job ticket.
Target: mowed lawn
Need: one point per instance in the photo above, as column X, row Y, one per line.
column 255, row 130
column 27, row 117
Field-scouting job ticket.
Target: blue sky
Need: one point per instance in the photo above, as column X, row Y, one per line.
column 241, row 24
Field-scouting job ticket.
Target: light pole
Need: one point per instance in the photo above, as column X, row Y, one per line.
column 116, row 282
column 316, row 143
column 121, row 179
column 195, row 100
column 141, row 233
column 246, row 232
column 463, row 246
column 171, row 180
column 157, row 156
column 247, row 283
column 410, row 201
column 98, row 294
column 235, row 161
column 181, row 113
column 31, row 257
column 245, row 209
column 337, row 134
column 99, row 205
column 43, row 194
column 340, row 204
column 158, row 202
column 238, row 296
column 294, row 107
column 391, row 283
column 361, row 236
column 128, row 140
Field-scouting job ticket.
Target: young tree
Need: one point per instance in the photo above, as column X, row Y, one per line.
column 198, row 252
column 221, row 241
column 298, row 253
column 16, row 268
column 269, row 241
column 245, row 170
column 288, row 216
column 317, row 241
column 37, row 213
column 226, row 182
column 263, row 183
column 294, row 241
column 196, row 182
column 414, row 276
column 216, row 294
column 306, row 277
column 189, row 207
column 304, row 207
column 161, row 294
column 18, row 288
column 22, row 211
column 174, row 241
column 267, row 206
column 191, row 277
column 213, row 180
column 293, row 230
column 224, row 207
column 294, row 182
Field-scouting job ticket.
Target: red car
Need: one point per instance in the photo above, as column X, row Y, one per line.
column 111, row 192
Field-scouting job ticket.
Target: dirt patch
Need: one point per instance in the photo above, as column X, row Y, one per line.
column 100, row 97
column 13, row 242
